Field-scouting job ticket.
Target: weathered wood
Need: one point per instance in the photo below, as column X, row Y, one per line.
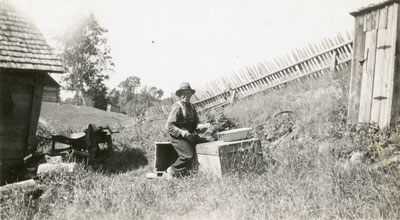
column 23, row 185
column 12, row 149
column 356, row 70
column 13, row 133
column 35, row 112
column 380, row 99
column 18, row 116
column 367, row 77
column 253, row 79
column 395, row 111
column 46, row 168
column 165, row 155
column 220, row 157
column 387, row 88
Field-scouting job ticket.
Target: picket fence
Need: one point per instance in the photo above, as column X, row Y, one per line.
column 314, row 60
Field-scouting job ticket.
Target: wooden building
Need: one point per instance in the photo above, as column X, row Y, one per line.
column 375, row 75
column 113, row 108
column 51, row 90
column 25, row 61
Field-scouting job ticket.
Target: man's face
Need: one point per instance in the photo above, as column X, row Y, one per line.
column 185, row 96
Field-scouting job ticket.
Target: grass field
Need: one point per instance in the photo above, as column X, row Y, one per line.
column 312, row 175
column 77, row 118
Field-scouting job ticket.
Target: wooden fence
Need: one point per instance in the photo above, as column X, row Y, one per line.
column 313, row 60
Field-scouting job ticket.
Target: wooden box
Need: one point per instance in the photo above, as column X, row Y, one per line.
column 374, row 95
column 221, row 157
column 165, row 155
column 234, row 135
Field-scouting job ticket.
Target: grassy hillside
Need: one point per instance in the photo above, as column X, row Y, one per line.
column 76, row 118
column 316, row 167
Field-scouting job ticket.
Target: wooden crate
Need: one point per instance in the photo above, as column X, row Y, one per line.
column 374, row 95
column 221, row 157
column 165, row 155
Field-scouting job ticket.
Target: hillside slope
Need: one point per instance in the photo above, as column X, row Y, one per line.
column 76, row 118
column 316, row 167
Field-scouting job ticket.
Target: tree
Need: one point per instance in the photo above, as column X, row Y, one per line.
column 133, row 102
column 129, row 87
column 87, row 59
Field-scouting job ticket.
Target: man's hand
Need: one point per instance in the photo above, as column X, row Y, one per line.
column 185, row 134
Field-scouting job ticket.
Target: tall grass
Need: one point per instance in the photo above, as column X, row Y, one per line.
column 308, row 176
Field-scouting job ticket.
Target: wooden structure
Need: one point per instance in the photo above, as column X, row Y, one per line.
column 375, row 78
column 113, row 108
column 313, row 61
column 86, row 144
column 165, row 155
column 219, row 157
column 25, row 61
column 51, row 90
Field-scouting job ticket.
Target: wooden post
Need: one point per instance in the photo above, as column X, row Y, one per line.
column 36, row 106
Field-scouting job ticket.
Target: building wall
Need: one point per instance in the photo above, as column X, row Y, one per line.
column 51, row 94
column 374, row 87
column 113, row 108
column 21, row 101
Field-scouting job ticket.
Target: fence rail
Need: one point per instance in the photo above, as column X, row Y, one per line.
column 312, row 61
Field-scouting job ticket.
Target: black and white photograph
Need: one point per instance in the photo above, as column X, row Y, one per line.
column 199, row 109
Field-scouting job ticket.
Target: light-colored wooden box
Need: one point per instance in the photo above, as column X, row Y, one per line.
column 221, row 157
column 374, row 95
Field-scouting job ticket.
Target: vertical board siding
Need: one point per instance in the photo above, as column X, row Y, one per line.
column 379, row 94
column 14, row 126
column 387, row 88
column 395, row 113
column 356, row 70
column 35, row 110
column 368, row 76
column 384, row 60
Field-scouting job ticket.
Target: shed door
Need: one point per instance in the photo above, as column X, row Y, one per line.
column 377, row 80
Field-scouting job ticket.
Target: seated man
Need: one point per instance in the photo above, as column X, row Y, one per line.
column 181, row 125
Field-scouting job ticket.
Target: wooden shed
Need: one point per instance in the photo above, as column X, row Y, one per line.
column 51, row 90
column 375, row 75
column 25, row 61
column 113, row 108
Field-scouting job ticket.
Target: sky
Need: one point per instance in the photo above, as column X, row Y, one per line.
column 166, row 42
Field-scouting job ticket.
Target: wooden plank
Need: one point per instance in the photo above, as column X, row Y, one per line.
column 340, row 38
column 381, row 68
column 13, row 132
column 14, row 77
column 367, row 77
column 22, row 99
column 13, row 150
column 387, row 87
column 364, row 17
column 249, row 74
column 312, row 48
column 245, row 76
column 369, row 22
column 16, row 88
column 383, row 17
column 356, row 71
column 374, row 19
column 25, row 186
column 395, row 112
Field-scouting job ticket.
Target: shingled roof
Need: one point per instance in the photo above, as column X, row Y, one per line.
column 22, row 45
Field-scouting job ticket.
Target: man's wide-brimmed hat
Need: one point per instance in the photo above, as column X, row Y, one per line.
column 184, row 86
